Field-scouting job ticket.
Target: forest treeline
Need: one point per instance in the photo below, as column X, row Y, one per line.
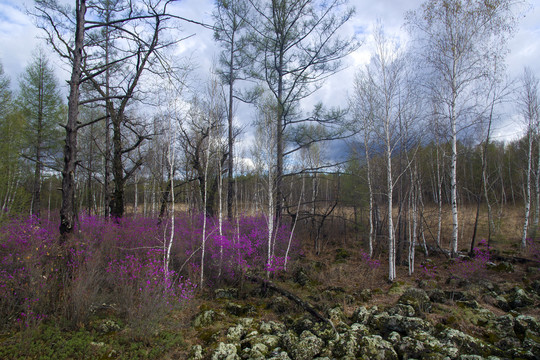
column 417, row 133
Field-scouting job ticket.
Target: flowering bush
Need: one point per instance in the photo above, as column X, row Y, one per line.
column 533, row 249
column 475, row 267
column 123, row 262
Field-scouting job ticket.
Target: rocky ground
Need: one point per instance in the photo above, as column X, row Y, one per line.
column 416, row 319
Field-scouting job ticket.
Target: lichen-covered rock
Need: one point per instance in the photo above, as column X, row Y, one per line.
column 502, row 303
column 360, row 315
column 105, row 326
column 417, row 298
column 205, row 318
column 305, row 347
column 335, row 314
column 257, row 352
column 394, row 338
column 503, row 266
column 228, row 293
column 374, row 347
column 302, row 324
column 385, row 324
column 518, row 298
column 426, row 345
column 225, row 352
column 347, row 345
column 236, row 333
column 437, row 296
column 272, row 328
column 196, row 353
column 300, row 277
column 401, row 309
column 466, row 343
column 279, row 355
column 279, row 304
column 524, row 323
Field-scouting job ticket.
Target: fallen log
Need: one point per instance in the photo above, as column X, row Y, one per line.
column 303, row 304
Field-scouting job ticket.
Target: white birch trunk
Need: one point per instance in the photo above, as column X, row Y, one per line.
column 205, row 196
column 527, row 190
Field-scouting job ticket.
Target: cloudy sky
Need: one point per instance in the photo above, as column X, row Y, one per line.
column 19, row 38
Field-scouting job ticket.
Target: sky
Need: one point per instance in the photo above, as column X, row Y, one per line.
column 19, row 38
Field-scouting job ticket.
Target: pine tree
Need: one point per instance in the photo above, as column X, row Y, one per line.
column 40, row 103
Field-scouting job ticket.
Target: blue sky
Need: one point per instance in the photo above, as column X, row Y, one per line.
column 19, row 38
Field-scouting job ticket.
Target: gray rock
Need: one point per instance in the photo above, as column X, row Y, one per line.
column 225, row 352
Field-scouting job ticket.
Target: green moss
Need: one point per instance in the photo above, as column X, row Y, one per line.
column 50, row 342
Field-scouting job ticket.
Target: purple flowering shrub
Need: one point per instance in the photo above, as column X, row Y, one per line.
column 533, row 248
column 475, row 267
column 121, row 263
column 27, row 269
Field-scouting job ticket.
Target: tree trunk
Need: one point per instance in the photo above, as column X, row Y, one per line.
column 67, row 210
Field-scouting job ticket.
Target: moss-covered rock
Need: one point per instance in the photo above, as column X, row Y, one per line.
column 518, row 298
column 417, row 298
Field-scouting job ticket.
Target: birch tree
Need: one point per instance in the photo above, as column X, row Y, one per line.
column 530, row 109
column 458, row 40
column 380, row 85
